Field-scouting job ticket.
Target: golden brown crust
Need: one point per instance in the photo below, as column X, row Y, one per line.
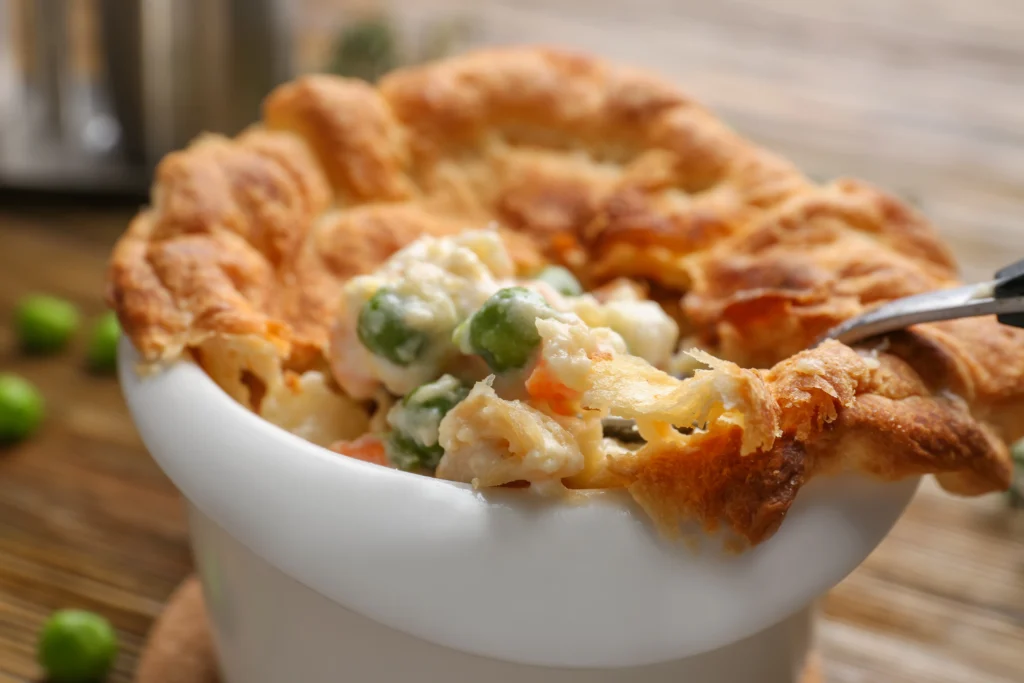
column 819, row 258
column 351, row 130
column 606, row 168
column 616, row 174
column 840, row 412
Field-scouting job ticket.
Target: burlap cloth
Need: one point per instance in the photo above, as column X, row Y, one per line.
column 179, row 649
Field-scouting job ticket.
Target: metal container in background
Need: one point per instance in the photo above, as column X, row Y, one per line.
column 177, row 68
column 56, row 132
column 164, row 71
column 160, row 72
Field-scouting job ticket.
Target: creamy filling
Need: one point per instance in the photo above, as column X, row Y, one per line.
column 411, row 322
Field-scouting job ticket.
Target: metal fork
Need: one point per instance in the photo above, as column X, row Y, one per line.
column 1003, row 296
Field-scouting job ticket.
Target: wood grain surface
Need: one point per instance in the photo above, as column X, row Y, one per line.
column 924, row 97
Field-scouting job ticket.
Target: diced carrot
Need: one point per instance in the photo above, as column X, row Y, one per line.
column 367, row 447
column 543, row 386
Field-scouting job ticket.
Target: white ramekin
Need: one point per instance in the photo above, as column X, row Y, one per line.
column 319, row 568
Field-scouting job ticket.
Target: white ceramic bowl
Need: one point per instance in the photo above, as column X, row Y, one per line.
column 501, row 575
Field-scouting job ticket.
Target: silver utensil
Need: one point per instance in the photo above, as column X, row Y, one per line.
column 1003, row 296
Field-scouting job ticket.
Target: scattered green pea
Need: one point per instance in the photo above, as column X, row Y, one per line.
column 102, row 353
column 44, row 324
column 383, row 330
column 503, row 330
column 366, row 49
column 561, row 280
column 76, row 647
column 413, row 443
column 407, row 454
column 1017, row 452
column 21, row 408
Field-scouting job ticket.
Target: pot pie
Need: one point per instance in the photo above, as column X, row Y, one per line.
column 526, row 267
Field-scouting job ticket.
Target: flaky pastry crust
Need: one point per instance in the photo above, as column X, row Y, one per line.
column 614, row 173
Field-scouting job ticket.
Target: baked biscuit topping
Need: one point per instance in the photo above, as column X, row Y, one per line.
column 257, row 251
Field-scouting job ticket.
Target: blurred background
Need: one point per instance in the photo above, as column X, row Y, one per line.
column 922, row 97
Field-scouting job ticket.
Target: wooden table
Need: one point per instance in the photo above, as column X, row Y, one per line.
column 86, row 518
column 923, row 97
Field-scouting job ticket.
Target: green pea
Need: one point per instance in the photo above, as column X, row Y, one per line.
column 561, row 279
column 1017, row 452
column 44, row 324
column 366, row 49
column 382, row 328
column 441, row 395
column 503, row 330
column 407, row 454
column 102, row 352
column 76, row 647
column 21, row 408
column 413, row 443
